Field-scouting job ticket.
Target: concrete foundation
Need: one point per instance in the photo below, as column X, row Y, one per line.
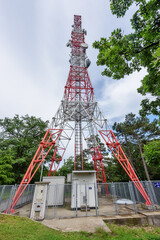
column 143, row 218
column 39, row 201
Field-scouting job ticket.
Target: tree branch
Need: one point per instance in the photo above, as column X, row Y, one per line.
column 144, row 48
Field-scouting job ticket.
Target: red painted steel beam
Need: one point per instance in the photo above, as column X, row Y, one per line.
column 116, row 149
column 97, row 158
column 56, row 159
column 44, row 148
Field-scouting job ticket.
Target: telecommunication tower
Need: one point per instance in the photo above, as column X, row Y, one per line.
column 79, row 115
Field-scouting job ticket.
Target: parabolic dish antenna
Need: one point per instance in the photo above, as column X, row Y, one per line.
column 84, row 45
column 124, row 201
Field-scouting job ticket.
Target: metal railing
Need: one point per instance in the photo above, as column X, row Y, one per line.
column 7, row 193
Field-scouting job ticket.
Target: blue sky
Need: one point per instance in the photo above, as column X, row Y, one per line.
column 34, row 58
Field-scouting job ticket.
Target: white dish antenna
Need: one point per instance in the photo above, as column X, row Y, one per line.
column 124, row 201
column 84, row 45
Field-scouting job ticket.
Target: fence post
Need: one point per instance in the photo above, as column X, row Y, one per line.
column 33, row 189
column 125, row 194
column 153, row 192
column 76, row 199
column 2, row 193
column 114, row 197
column 150, row 194
column 56, row 195
column 132, row 196
column 96, row 199
column 46, row 207
column 86, row 198
column 27, row 198
column 41, row 171
column 137, row 193
column 120, row 190
column 12, row 192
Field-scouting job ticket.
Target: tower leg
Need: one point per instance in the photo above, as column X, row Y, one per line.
column 99, row 166
column 44, row 148
column 56, row 159
column 116, row 149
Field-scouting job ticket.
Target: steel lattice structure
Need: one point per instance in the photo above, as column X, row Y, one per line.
column 79, row 114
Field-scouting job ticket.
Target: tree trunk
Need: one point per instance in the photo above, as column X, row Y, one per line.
column 129, row 151
column 143, row 160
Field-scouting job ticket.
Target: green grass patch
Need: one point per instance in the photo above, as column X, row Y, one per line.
column 20, row 228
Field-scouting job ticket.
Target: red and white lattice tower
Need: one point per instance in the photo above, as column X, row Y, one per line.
column 78, row 114
column 79, row 111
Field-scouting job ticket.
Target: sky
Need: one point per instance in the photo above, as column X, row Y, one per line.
column 34, row 59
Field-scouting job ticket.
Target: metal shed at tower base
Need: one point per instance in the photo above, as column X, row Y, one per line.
column 55, row 193
column 84, row 189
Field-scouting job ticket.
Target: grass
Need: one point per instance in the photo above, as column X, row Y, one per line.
column 20, row 228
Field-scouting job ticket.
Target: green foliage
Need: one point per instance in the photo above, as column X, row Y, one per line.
column 133, row 133
column 123, row 54
column 119, row 8
column 19, row 140
column 67, row 167
column 152, row 153
column 87, row 165
column 137, row 128
column 6, row 169
column 117, row 53
column 114, row 171
column 156, row 57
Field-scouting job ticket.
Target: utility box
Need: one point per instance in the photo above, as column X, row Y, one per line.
column 55, row 195
column 39, row 201
column 84, row 189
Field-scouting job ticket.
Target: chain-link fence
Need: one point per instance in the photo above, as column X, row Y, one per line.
column 70, row 200
column 86, row 199
column 7, row 193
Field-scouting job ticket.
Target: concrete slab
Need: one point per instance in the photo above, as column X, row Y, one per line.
column 135, row 219
column 153, row 218
column 87, row 224
column 107, row 213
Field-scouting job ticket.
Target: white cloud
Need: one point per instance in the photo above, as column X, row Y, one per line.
column 21, row 93
column 120, row 97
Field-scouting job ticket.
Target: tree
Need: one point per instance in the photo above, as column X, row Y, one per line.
column 87, row 162
column 133, row 133
column 67, row 167
column 6, row 169
column 123, row 54
column 152, row 155
column 19, row 140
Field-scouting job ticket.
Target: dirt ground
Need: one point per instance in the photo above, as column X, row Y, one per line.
column 105, row 208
